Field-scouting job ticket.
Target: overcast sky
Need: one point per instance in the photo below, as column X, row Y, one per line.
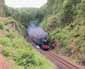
column 25, row 3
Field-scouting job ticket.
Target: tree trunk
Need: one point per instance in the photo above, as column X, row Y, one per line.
column 2, row 8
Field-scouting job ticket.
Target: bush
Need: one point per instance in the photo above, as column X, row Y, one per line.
column 16, row 48
column 21, row 52
column 1, row 26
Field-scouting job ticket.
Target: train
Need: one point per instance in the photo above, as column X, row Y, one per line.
column 39, row 37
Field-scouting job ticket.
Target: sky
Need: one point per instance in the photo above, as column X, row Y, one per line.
column 25, row 3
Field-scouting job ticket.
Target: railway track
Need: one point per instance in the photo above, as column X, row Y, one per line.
column 58, row 61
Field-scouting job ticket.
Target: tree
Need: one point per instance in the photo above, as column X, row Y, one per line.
column 2, row 6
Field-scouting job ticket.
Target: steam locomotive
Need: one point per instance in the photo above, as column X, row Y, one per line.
column 43, row 43
column 38, row 36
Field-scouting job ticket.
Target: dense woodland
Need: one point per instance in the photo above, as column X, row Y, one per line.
column 64, row 20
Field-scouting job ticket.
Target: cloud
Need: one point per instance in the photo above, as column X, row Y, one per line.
column 25, row 3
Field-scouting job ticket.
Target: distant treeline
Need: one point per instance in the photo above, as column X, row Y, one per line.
column 25, row 15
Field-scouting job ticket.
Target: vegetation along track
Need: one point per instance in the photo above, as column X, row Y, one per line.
column 59, row 62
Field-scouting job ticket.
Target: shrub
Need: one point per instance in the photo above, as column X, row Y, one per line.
column 16, row 48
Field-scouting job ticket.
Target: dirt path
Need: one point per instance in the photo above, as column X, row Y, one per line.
column 3, row 63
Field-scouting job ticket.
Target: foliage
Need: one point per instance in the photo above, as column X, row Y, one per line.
column 67, row 20
column 25, row 15
column 2, row 4
column 16, row 48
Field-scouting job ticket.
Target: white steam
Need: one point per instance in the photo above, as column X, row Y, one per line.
column 36, row 32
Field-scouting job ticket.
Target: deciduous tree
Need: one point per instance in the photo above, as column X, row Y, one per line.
column 2, row 6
